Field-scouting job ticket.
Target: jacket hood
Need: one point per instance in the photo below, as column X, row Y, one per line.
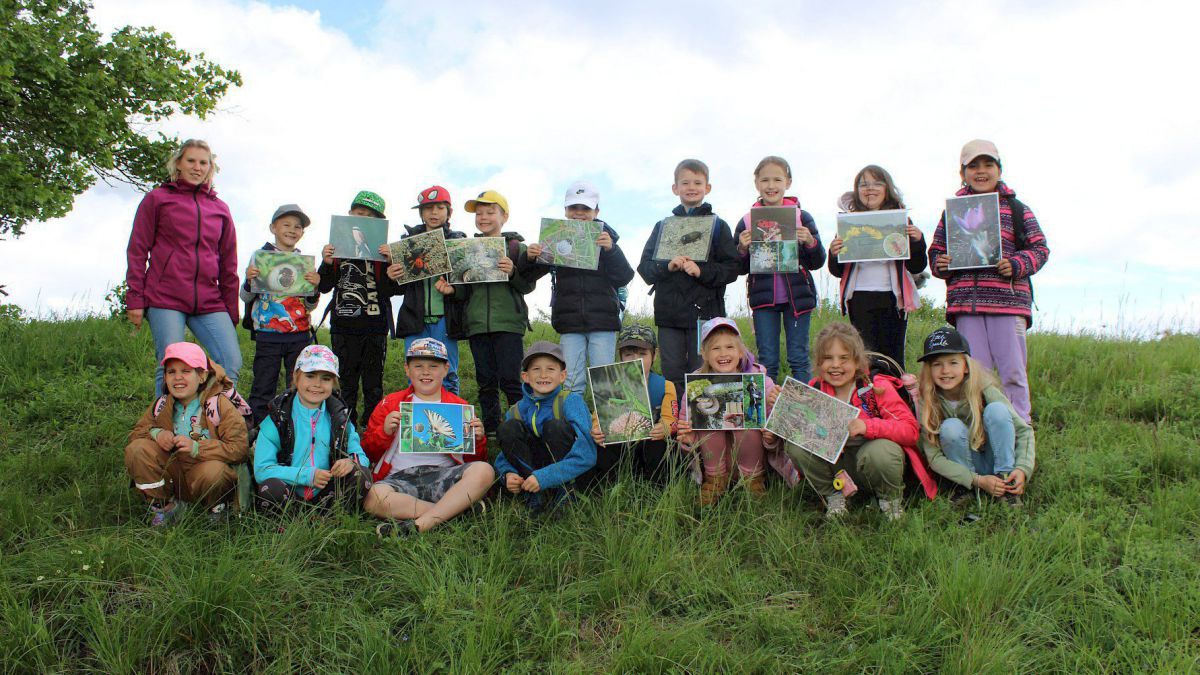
column 216, row 383
column 450, row 232
column 704, row 209
column 1001, row 187
column 787, row 201
column 611, row 232
column 184, row 186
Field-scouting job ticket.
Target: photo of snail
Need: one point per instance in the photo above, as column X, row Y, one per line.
column 720, row 402
column 873, row 235
column 570, row 243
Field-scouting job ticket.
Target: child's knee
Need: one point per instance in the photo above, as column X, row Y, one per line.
column 996, row 412
column 480, row 472
column 952, row 431
column 376, row 498
column 273, row 491
column 141, row 452
column 509, row 431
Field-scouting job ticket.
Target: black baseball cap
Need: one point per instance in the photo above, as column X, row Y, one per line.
column 945, row 340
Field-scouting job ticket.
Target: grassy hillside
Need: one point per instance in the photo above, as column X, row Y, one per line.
column 1099, row 572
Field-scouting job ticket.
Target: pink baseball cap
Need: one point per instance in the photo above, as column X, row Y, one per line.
column 719, row 322
column 188, row 352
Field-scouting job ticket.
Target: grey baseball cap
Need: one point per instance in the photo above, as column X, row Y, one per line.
column 293, row 210
column 543, row 348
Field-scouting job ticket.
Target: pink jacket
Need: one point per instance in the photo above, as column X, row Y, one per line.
column 182, row 253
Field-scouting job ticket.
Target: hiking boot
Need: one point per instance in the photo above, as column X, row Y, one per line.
column 713, row 488
column 396, row 528
column 756, row 485
column 1011, row 500
column 163, row 516
column 835, row 506
column 892, row 508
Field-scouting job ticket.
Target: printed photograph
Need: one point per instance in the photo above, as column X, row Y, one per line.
column 621, row 401
column 973, row 231
column 773, row 246
column 721, row 402
column 475, row 260
column 812, row 419
column 282, row 273
column 570, row 243
column 436, row 427
column 689, row 236
column 358, row 238
column 422, row 255
column 873, row 235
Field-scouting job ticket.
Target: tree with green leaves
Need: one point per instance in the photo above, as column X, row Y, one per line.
column 74, row 106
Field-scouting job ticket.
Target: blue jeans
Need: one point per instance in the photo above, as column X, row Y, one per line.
column 767, row 322
column 214, row 332
column 598, row 348
column 998, row 453
column 437, row 331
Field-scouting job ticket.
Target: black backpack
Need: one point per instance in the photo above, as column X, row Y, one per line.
column 1020, row 236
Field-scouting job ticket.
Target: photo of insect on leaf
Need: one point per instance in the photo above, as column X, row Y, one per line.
column 687, row 236
column 420, row 256
column 475, row 260
column 436, row 427
column 570, row 243
column 282, row 274
column 719, row 401
column 811, row 419
column 873, row 235
column 621, row 401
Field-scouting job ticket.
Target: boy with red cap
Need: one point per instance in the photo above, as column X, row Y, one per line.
column 181, row 449
column 429, row 309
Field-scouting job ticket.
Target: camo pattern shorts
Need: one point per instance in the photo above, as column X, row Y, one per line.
column 427, row 483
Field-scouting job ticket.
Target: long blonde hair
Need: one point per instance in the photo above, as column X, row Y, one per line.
column 850, row 338
column 173, row 160
column 704, row 347
column 977, row 379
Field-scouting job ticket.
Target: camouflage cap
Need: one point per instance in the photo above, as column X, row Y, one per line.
column 637, row 335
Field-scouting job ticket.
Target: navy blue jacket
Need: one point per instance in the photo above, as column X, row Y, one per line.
column 679, row 299
column 802, row 292
column 410, row 320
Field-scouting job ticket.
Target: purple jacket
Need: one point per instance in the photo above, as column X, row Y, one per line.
column 186, row 232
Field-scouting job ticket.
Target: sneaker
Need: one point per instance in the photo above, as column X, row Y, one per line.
column 892, row 508
column 218, row 514
column 396, row 528
column 835, row 506
column 1011, row 500
column 162, row 516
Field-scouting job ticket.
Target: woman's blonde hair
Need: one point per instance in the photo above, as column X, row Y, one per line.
column 173, row 160
column 707, row 343
column 977, row 379
column 849, row 337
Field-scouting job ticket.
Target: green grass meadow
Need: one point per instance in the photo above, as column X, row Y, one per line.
column 1099, row 572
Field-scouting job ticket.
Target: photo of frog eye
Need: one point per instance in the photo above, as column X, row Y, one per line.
column 282, row 274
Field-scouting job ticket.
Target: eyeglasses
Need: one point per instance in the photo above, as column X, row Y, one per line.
column 867, row 185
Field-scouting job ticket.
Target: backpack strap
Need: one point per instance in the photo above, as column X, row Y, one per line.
column 159, row 404
column 656, row 385
column 559, row 401
column 1020, row 236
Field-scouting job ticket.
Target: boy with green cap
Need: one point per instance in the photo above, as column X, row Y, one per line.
column 362, row 314
column 496, row 316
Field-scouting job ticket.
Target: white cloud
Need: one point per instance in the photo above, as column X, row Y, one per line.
column 1084, row 100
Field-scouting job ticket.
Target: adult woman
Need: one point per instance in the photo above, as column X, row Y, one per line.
column 879, row 295
column 182, row 258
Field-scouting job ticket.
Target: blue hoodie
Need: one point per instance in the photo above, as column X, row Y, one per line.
column 302, row 469
column 537, row 409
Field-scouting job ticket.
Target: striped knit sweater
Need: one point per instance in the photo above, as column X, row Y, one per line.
column 984, row 291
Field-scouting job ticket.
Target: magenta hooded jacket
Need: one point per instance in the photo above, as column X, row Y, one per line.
column 183, row 252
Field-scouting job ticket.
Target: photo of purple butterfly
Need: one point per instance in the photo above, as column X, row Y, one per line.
column 973, row 231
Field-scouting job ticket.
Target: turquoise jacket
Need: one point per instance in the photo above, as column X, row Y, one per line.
column 304, row 463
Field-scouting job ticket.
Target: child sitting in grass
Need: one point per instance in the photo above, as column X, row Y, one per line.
column 648, row 457
column 970, row 433
column 307, row 450
column 545, row 435
column 883, row 438
column 416, row 491
column 181, row 450
column 722, row 351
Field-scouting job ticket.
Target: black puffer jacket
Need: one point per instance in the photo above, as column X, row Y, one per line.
column 679, row 299
column 584, row 301
column 410, row 320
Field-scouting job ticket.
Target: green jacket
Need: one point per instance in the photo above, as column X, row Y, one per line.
column 952, row 470
column 498, row 307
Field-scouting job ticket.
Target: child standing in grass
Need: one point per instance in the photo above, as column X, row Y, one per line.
column 584, row 307
column 636, row 342
column 686, row 291
column 426, row 311
column 545, row 435
column 279, row 325
column 878, row 295
column 788, row 298
column 181, row 450
column 496, row 314
column 419, row 490
column 362, row 314
column 992, row 307
column 722, row 351
column 970, row 433
column 307, row 450
column 883, row 438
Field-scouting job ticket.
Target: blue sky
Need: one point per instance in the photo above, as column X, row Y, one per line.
column 526, row 97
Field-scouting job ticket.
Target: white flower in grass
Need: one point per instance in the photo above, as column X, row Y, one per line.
column 40, row 577
column 87, row 567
